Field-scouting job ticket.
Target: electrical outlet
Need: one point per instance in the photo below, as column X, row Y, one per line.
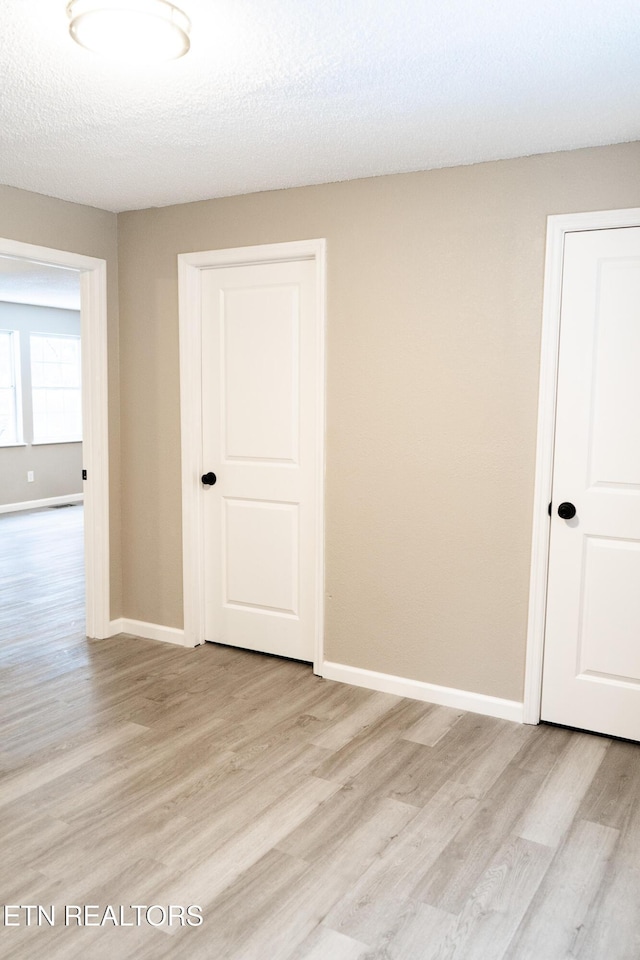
column 29, row 476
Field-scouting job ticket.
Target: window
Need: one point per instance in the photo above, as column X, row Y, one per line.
column 10, row 412
column 56, row 388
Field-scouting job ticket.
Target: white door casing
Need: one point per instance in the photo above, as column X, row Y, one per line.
column 585, row 590
column 95, row 443
column 252, row 396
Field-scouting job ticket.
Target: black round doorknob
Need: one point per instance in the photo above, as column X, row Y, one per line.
column 567, row 511
column 209, row 479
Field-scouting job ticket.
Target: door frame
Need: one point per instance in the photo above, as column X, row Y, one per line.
column 95, row 421
column 557, row 228
column 190, row 267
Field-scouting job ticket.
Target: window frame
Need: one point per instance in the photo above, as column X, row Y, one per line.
column 16, row 376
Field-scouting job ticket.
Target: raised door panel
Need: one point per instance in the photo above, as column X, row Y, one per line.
column 260, row 543
column 261, row 373
column 615, row 451
column 608, row 644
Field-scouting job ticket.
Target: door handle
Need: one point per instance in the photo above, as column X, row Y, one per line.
column 209, row 479
column 567, row 511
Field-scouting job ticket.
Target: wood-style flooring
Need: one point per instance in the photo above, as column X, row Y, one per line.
column 310, row 820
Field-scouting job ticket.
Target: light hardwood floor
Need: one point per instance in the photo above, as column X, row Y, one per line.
column 309, row 820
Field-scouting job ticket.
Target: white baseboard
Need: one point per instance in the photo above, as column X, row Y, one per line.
column 429, row 692
column 148, row 631
column 36, row 504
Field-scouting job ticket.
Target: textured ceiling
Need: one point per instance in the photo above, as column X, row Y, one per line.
column 22, row 281
column 295, row 92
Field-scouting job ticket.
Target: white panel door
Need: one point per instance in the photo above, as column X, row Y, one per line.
column 260, row 343
column 591, row 676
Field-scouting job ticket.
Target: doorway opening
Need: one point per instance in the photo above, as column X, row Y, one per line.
column 53, row 416
column 41, row 441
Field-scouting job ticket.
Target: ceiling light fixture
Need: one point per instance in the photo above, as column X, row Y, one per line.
column 135, row 30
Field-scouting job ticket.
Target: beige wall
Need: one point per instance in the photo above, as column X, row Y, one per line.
column 434, row 309
column 434, row 305
column 57, row 470
column 44, row 221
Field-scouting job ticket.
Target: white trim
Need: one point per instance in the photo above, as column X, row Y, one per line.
column 320, row 256
column 95, row 446
column 189, row 284
column 147, row 631
column 38, row 504
column 51, row 443
column 262, row 253
column 429, row 692
column 93, row 324
column 557, row 227
column 190, row 266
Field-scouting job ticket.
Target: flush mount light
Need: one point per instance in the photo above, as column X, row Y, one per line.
column 137, row 30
